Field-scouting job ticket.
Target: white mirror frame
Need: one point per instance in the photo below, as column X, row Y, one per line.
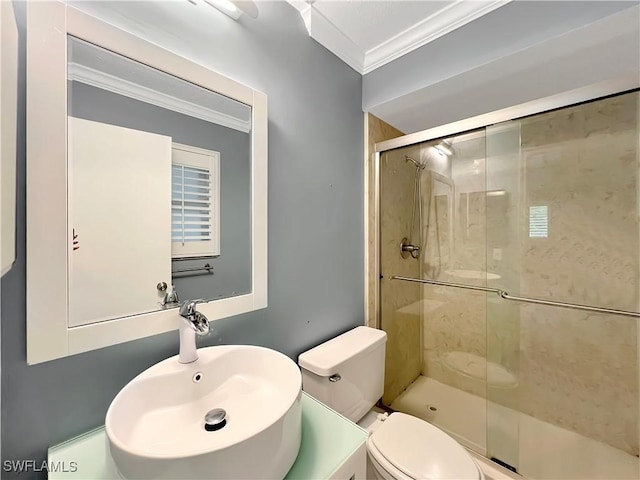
column 8, row 125
column 48, row 334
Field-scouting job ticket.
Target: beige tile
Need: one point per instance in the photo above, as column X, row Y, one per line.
column 400, row 317
column 377, row 131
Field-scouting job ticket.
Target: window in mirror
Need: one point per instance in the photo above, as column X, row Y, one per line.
column 195, row 202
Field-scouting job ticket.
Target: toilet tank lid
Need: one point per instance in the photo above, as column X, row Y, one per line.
column 326, row 359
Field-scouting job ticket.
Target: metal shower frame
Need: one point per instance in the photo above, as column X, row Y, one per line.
column 565, row 99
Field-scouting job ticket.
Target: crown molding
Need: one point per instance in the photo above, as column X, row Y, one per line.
column 442, row 22
column 114, row 84
column 331, row 37
column 453, row 16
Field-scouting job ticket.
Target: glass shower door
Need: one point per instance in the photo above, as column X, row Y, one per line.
column 545, row 207
column 567, row 230
column 433, row 195
column 503, row 318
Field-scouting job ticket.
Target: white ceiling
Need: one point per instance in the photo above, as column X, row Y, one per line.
column 367, row 34
column 368, row 24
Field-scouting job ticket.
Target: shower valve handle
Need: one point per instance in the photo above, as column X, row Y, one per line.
column 407, row 249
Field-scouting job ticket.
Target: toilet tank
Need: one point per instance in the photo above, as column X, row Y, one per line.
column 347, row 372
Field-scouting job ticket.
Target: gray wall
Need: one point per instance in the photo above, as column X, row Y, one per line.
column 232, row 269
column 315, row 220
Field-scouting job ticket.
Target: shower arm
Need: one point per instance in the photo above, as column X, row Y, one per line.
column 506, row 296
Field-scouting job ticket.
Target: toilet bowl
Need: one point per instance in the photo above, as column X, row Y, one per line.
column 347, row 374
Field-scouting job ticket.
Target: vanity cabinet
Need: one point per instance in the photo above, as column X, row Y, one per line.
column 332, row 447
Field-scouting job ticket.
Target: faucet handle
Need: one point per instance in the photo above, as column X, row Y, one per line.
column 194, row 301
column 196, row 320
column 188, row 307
column 200, row 323
column 171, row 299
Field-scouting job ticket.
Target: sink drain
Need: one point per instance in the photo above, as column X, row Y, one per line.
column 215, row 419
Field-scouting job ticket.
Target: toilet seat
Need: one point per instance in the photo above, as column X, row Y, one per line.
column 383, row 469
column 407, row 447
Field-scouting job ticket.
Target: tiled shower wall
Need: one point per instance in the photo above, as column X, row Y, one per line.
column 400, row 301
column 375, row 131
column 403, row 352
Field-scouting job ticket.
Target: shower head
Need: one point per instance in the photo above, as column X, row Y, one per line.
column 418, row 165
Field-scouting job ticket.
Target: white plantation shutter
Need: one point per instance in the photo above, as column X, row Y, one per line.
column 195, row 209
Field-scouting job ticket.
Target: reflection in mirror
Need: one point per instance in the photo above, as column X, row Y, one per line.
column 159, row 189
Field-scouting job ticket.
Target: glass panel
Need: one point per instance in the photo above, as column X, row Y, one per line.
column 433, row 196
column 568, row 231
column 328, row 441
column 455, row 331
column 503, row 317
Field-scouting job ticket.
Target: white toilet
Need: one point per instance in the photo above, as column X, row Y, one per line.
column 347, row 374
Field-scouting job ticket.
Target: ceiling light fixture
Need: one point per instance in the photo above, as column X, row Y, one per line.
column 232, row 8
column 225, row 6
column 444, row 148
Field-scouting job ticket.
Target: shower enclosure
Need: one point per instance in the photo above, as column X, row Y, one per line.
column 509, row 262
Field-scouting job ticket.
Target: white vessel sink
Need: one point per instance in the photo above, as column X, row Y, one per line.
column 156, row 424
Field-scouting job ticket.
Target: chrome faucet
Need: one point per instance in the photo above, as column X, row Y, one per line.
column 192, row 322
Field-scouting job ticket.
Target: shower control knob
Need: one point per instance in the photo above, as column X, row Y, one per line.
column 407, row 249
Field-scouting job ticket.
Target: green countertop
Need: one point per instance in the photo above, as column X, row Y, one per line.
column 328, row 439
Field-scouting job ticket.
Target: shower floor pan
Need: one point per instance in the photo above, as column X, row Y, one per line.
column 543, row 451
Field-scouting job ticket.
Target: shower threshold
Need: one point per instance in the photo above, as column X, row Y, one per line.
column 542, row 450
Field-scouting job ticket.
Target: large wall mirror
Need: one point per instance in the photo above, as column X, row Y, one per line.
column 146, row 184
